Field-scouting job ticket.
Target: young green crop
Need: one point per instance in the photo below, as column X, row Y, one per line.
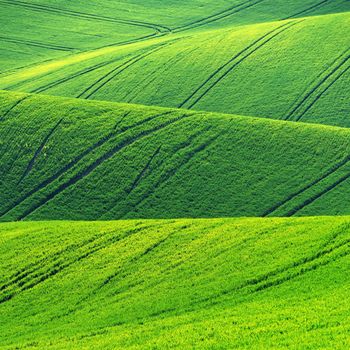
column 76, row 159
column 203, row 284
column 283, row 70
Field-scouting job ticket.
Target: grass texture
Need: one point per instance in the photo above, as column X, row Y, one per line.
column 163, row 284
column 98, row 160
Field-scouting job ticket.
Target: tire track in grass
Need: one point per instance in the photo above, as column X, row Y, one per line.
column 328, row 173
column 293, row 270
column 313, row 95
column 135, row 258
column 47, row 268
column 143, row 171
column 317, row 98
column 16, row 104
column 115, row 132
column 88, row 16
column 37, row 44
column 89, row 169
column 106, row 78
column 178, row 147
column 73, row 76
column 308, row 9
column 38, row 151
column 218, row 16
column 174, row 170
column 221, row 72
column 318, row 195
column 152, row 76
column 263, row 282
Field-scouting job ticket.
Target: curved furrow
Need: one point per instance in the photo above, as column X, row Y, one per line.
column 221, row 72
column 218, row 16
column 306, row 100
column 38, row 151
column 183, row 145
column 309, row 9
column 173, row 171
column 318, row 195
column 285, row 273
column 90, row 168
column 62, row 261
column 328, row 173
column 110, row 75
column 37, row 44
column 70, row 165
column 83, row 15
column 73, row 76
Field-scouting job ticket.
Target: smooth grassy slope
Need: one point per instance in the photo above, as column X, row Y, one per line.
column 184, row 15
column 35, row 32
column 297, row 69
column 73, row 159
column 203, row 284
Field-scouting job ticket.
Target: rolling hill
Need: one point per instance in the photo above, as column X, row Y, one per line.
column 187, row 284
column 174, row 174
column 97, row 160
column 292, row 70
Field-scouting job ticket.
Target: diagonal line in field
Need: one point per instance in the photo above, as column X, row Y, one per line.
column 227, row 67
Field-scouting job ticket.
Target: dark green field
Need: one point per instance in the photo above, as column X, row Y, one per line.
column 182, row 169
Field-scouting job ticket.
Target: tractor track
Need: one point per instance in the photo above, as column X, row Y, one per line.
column 143, row 171
column 16, row 104
column 326, row 88
column 173, row 171
column 106, row 78
column 73, row 76
column 308, row 9
column 240, row 57
column 60, row 261
column 180, row 146
column 88, row 16
column 89, row 169
column 38, row 151
column 328, row 173
column 37, row 44
column 218, row 16
column 77, row 159
column 318, row 195
column 293, row 113
column 294, row 270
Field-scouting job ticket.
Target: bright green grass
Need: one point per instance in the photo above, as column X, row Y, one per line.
column 283, row 70
column 73, row 159
column 198, row 14
column 203, row 284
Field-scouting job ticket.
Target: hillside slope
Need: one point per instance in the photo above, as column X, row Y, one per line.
column 72, row 159
column 296, row 69
column 188, row 284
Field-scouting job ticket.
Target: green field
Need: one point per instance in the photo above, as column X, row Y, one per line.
column 174, row 174
column 218, row 283
column 129, row 161
column 287, row 69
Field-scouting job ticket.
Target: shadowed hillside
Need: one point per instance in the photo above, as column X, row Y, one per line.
column 96, row 160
